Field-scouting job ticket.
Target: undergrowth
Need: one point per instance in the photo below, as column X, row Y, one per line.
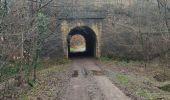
column 47, row 81
column 115, row 58
column 123, row 79
column 144, row 82
column 12, row 68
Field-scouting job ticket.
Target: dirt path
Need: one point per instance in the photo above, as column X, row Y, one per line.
column 88, row 82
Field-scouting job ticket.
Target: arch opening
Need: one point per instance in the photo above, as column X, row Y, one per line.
column 89, row 36
column 77, row 44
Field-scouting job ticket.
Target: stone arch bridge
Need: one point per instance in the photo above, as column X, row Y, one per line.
column 87, row 24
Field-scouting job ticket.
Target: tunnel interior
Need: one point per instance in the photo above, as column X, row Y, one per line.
column 90, row 41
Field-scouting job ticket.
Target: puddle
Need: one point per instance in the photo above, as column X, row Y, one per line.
column 97, row 73
column 165, row 88
column 85, row 72
column 75, row 73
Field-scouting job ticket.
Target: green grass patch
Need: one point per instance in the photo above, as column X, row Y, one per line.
column 44, row 78
column 12, row 68
column 31, row 83
column 53, row 69
column 165, row 88
column 114, row 58
column 122, row 79
column 145, row 94
column 120, row 61
column 72, row 49
column 51, row 62
column 106, row 58
column 24, row 97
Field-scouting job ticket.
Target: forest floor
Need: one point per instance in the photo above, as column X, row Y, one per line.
column 84, row 80
column 91, row 79
column 139, row 80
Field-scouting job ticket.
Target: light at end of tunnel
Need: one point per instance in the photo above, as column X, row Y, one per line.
column 77, row 44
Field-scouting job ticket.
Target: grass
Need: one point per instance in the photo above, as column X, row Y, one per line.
column 121, row 61
column 24, row 97
column 136, row 79
column 53, row 62
column 72, row 49
column 127, row 82
column 47, row 70
column 45, row 77
column 165, row 88
column 52, row 69
column 123, row 79
column 146, row 94
column 106, row 58
column 11, row 69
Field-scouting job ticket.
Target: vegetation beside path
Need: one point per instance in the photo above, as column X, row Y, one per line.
column 137, row 80
column 49, row 73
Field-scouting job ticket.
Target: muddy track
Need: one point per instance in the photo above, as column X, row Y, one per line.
column 88, row 82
